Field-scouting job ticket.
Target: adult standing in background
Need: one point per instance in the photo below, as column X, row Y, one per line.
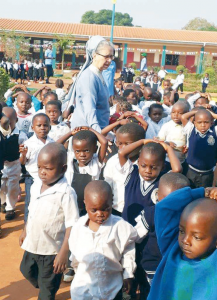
column 143, row 66
column 109, row 75
column 162, row 73
column 48, row 62
column 90, row 94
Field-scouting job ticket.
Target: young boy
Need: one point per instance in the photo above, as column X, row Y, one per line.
column 49, row 96
column 11, row 172
column 53, row 111
column 172, row 132
column 84, row 164
column 102, row 248
column 131, row 97
column 30, row 150
column 52, row 213
column 202, row 147
column 24, row 117
column 125, row 135
column 185, row 224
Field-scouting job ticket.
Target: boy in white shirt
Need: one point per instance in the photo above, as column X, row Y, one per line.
column 59, row 89
column 102, row 248
column 179, row 82
column 52, row 213
column 30, row 150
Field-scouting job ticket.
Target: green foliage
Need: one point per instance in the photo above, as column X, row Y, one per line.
column 4, row 83
column 63, row 42
column 181, row 68
column 133, row 65
column 200, row 24
column 156, row 69
column 104, row 16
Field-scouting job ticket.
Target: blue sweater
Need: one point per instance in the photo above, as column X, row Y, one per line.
column 36, row 102
column 178, row 278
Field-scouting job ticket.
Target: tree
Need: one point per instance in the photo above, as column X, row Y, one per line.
column 104, row 16
column 200, row 24
column 63, row 42
column 14, row 43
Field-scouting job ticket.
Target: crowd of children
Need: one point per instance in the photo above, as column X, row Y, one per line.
column 129, row 211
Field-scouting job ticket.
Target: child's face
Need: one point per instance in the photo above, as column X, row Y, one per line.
column 98, row 206
column 149, row 165
column 119, row 85
column 84, row 151
column 155, row 79
column 167, row 101
column 53, row 113
column 206, row 75
column 156, row 114
column 166, row 84
column 132, row 98
column 202, row 122
column 49, row 169
column 176, row 114
column 41, row 127
column 48, row 98
column 23, row 103
column 201, row 101
column 123, row 139
column 43, row 92
column 147, row 94
column 197, row 238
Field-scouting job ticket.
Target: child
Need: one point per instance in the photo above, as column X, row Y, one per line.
column 104, row 264
column 22, row 72
column 172, row 132
column 41, row 71
column 154, row 84
column 84, row 164
column 53, row 111
column 52, row 213
column 131, row 97
column 125, row 135
column 16, row 70
column 35, row 70
column 119, row 86
column 166, row 85
column 11, row 172
column 202, row 146
column 59, row 84
column 30, row 150
column 155, row 120
column 162, row 74
column 205, row 82
column 49, row 96
column 179, row 81
column 24, row 121
column 185, row 224
column 30, row 71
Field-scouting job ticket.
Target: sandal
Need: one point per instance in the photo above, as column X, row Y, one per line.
column 10, row 215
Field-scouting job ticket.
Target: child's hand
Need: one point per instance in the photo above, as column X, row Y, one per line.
column 60, row 262
column 75, row 130
column 22, row 237
column 127, row 285
column 207, row 106
column 165, row 145
column 211, row 193
column 124, row 121
column 172, row 145
column 23, row 149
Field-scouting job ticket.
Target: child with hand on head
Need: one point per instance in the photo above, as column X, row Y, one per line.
column 125, row 135
column 11, row 171
column 185, row 224
column 131, row 97
column 97, row 234
column 30, row 150
column 84, row 164
column 24, row 118
column 52, row 213
column 172, row 133
column 49, row 96
column 202, row 146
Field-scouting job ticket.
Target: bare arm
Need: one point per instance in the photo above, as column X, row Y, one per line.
column 110, row 127
column 174, row 161
column 23, row 150
column 185, row 117
column 104, row 145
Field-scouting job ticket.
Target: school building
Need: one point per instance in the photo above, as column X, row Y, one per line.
column 163, row 47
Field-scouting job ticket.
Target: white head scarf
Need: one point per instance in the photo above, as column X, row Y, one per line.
column 91, row 46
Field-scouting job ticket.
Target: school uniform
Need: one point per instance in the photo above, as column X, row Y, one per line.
column 24, row 123
column 41, row 72
column 35, row 71
column 154, row 86
column 4, row 66
column 22, row 71
column 205, row 82
column 57, row 131
column 60, row 94
column 162, row 74
column 15, row 71
column 179, row 81
column 50, row 214
column 116, row 177
column 10, row 68
column 154, row 128
column 11, row 171
column 30, row 70
column 201, row 156
column 101, row 259
column 78, row 177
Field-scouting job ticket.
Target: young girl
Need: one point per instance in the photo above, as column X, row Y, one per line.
column 205, row 82
column 41, row 71
column 35, row 70
column 59, row 89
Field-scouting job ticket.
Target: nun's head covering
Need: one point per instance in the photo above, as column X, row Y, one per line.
column 91, row 46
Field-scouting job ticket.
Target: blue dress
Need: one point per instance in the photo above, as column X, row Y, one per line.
column 91, row 102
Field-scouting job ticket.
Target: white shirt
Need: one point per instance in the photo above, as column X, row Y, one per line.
column 34, row 146
column 162, row 73
column 16, row 66
column 50, row 213
column 29, row 64
column 24, row 122
column 180, row 78
column 57, row 131
column 60, row 94
column 145, row 108
column 154, row 128
column 93, row 168
column 172, row 132
column 101, row 259
column 116, row 176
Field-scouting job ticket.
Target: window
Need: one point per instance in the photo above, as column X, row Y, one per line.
column 172, row 60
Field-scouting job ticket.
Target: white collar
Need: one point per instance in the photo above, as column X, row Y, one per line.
column 35, row 138
column 59, row 187
column 146, row 184
column 202, row 135
column 102, row 227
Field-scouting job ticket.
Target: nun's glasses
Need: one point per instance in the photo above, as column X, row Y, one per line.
column 107, row 57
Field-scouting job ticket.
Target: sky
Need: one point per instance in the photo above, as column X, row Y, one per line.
column 167, row 14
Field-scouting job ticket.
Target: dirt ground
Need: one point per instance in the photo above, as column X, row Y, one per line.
column 13, row 286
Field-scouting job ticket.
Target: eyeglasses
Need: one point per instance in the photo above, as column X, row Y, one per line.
column 106, row 56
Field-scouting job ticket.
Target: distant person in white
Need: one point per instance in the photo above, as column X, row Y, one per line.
column 143, row 66
column 162, row 73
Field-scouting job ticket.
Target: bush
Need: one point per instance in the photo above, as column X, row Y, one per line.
column 181, row 68
column 133, row 65
column 4, row 83
column 211, row 72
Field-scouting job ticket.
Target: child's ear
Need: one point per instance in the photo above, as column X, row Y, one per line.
column 96, row 148
column 64, row 168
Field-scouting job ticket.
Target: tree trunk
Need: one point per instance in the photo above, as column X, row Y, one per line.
column 63, row 59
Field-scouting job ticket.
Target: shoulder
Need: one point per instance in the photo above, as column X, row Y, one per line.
column 121, row 225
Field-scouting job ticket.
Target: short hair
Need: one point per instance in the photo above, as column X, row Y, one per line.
column 206, row 99
column 59, row 83
column 57, row 150
column 28, row 96
column 86, row 135
column 187, row 96
column 118, row 79
column 155, row 149
column 49, row 94
column 40, row 115
column 127, row 92
column 133, row 129
column 184, row 104
column 167, row 80
column 175, row 181
column 156, row 96
column 58, row 104
column 203, row 112
column 155, row 106
column 120, row 98
column 125, row 105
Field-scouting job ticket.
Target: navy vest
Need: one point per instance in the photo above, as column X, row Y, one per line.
column 11, row 148
column 202, row 151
